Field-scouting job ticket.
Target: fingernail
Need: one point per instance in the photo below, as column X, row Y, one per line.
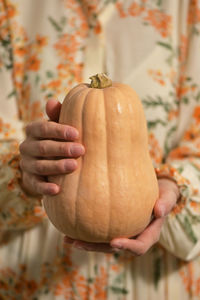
column 70, row 164
column 116, row 249
column 71, row 134
column 67, row 240
column 52, row 189
column 79, row 247
column 77, row 150
column 161, row 211
column 117, row 245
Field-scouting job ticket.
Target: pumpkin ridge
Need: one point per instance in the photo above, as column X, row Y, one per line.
column 81, row 161
column 108, row 173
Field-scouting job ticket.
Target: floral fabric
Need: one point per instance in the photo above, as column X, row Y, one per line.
column 46, row 48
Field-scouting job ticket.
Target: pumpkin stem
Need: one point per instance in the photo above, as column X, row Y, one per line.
column 100, row 81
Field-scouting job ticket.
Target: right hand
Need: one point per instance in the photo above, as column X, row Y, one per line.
column 49, row 149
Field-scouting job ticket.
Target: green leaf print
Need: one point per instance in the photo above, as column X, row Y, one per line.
column 185, row 100
column 157, row 271
column 165, row 45
column 13, row 93
column 37, row 79
column 194, row 166
column 55, row 24
column 186, row 224
column 118, row 290
column 156, row 102
column 159, row 2
column 169, row 133
column 180, row 169
column 119, row 278
column 49, row 74
column 153, row 124
column 198, row 96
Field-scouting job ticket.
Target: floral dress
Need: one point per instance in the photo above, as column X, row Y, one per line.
column 46, row 48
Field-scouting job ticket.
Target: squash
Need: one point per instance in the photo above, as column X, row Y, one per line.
column 113, row 191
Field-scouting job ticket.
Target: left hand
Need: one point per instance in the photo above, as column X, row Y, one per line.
column 168, row 196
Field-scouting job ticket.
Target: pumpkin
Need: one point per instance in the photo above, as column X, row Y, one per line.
column 113, row 191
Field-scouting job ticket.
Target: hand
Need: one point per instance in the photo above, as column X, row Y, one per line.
column 168, row 195
column 49, row 149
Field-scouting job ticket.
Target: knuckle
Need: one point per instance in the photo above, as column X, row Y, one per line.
column 42, row 148
column 44, row 128
column 35, row 184
column 39, row 168
column 22, row 147
column 28, row 128
column 63, row 149
column 60, row 167
column 141, row 251
column 59, row 131
column 21, row 164
column 156, row 238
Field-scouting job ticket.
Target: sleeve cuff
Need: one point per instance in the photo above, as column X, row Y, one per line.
column 17, row 209
column 180, row 234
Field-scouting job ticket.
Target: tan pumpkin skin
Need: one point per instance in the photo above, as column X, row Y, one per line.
column 113, row 191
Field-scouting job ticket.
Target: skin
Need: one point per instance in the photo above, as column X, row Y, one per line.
column 49, row 150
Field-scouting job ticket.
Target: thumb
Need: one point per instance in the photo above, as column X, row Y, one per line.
column 166, row 201
column 53, row 109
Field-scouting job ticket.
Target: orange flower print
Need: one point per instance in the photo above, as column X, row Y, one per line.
column 183, row 49
column 97, row 28
column 190, row 281
column 33, row 63
column 18, row 69
column 195, row 206
column 173, row 114
column 11, row 10
column 154, row 148
column 184, row 87
column 36, row 110
column 135, row 9
column 157, row 75
column 70, row 279
column 66, row 46
column 160, row 21
column 100, row 283
column 54, row 84
column 180, row 152
column 194, row 12
column 121, row 10
column 41, row 41
column 178, row 207
column 5, row 129
column 20, row 51
column 187, row 275
column 192, row 133
column 196, row 114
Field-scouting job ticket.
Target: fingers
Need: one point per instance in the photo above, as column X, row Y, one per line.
column 143, row 242
column 51, row 130
column 53, row 109
column 48, row 167
column 94, row 247
column 169, row 194
column 36, row 185
column 49, row 148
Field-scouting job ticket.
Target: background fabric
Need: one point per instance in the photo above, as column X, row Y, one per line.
column 46, row 48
